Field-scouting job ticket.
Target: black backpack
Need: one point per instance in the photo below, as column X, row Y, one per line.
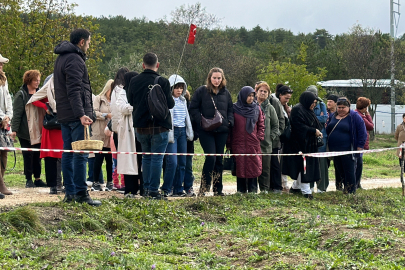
column 157, row 102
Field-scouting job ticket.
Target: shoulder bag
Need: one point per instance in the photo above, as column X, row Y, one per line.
column 51, row 120
column 327, row 141
column 213, row 123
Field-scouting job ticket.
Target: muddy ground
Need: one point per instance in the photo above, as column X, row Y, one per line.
column 23, row 196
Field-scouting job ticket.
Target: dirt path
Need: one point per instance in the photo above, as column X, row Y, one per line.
column 23, row 196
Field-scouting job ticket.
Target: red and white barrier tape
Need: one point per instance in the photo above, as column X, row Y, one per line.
column 321, row 154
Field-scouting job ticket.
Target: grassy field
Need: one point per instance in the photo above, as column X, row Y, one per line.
column 334, row 231
column 265, row 231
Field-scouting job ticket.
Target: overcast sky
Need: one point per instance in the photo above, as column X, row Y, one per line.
column 336, row 16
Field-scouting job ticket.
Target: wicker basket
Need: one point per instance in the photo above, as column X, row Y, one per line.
column 87, row 144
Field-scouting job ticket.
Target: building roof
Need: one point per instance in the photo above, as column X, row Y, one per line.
column 384, row 83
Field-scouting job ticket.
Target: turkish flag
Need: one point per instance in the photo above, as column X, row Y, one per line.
column 191, row 35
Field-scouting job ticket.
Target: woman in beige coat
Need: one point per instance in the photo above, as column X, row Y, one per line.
column 6, row 114
column 102, row 109
column 400, row 136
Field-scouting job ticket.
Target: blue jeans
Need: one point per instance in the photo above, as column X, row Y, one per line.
column 90, row 171
column 73, row 165
column 152, row 164
column 175, row 165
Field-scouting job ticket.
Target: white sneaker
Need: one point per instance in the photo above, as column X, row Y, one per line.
column 89, row 184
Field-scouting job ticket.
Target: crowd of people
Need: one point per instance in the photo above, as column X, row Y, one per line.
column 259, row 122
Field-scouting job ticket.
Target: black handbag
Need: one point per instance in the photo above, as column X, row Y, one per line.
column 319, row 141
column 286, row 135
column 51, row 120
column 213, row 123
column 228, row 161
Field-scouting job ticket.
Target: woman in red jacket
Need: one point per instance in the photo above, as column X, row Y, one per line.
column 247, row 132
column 361, row 108
column 44, row 101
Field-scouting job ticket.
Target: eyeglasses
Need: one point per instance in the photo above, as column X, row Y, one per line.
column 343, row 101
column 288, row 91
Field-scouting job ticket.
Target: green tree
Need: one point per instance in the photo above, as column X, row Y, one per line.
column 293, row 75
column 30, row 30
column 366, row 55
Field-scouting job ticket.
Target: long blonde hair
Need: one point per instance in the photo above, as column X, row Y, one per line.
column 3, row 78
column 107, row 87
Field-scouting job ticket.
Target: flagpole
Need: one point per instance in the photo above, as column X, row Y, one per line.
column 181, row 57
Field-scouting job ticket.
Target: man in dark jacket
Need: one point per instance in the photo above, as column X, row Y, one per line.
column 152, row 133
column 75, row 109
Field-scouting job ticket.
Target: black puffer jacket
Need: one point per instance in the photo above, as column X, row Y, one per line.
column 138, row 97
column 201, row 103
column 72, row 85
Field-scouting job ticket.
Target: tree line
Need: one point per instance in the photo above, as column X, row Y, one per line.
column 31, row 29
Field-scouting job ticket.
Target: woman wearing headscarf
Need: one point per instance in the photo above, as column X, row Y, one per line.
column 246, row 135
column 6, row 114
column 305, row 128
column 346, row 132
column 102, row 109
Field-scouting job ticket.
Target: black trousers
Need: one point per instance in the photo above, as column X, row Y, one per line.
column 212, row 143
column 98, row 162
column 133, row 183
column 345, row 172
column 359, row 170
column 32, row 162
column 275, row 172
column 51, row 171
column 246, row 185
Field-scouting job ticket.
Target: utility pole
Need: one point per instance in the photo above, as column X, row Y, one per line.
column 394, row 10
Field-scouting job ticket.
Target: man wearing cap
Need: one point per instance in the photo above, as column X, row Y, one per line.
column 75, row 111
column 6, row 113
column 322, row 115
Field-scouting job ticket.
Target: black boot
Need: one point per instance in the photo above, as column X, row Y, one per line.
column 69, row 198
column 53, row 190
column 39, row 183
column 29, row 184
column 84, row 197
column 295, row 190
column 2, row 195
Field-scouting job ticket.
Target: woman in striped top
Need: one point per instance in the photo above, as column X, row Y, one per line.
column 179, row 134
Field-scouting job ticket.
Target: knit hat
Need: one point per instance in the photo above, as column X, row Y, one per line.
column 3, row 59
column 333, row 97
column 313, row 89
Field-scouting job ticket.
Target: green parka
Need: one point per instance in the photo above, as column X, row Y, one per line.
column 19, row 123
column 275, row 102
column 271, row 123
